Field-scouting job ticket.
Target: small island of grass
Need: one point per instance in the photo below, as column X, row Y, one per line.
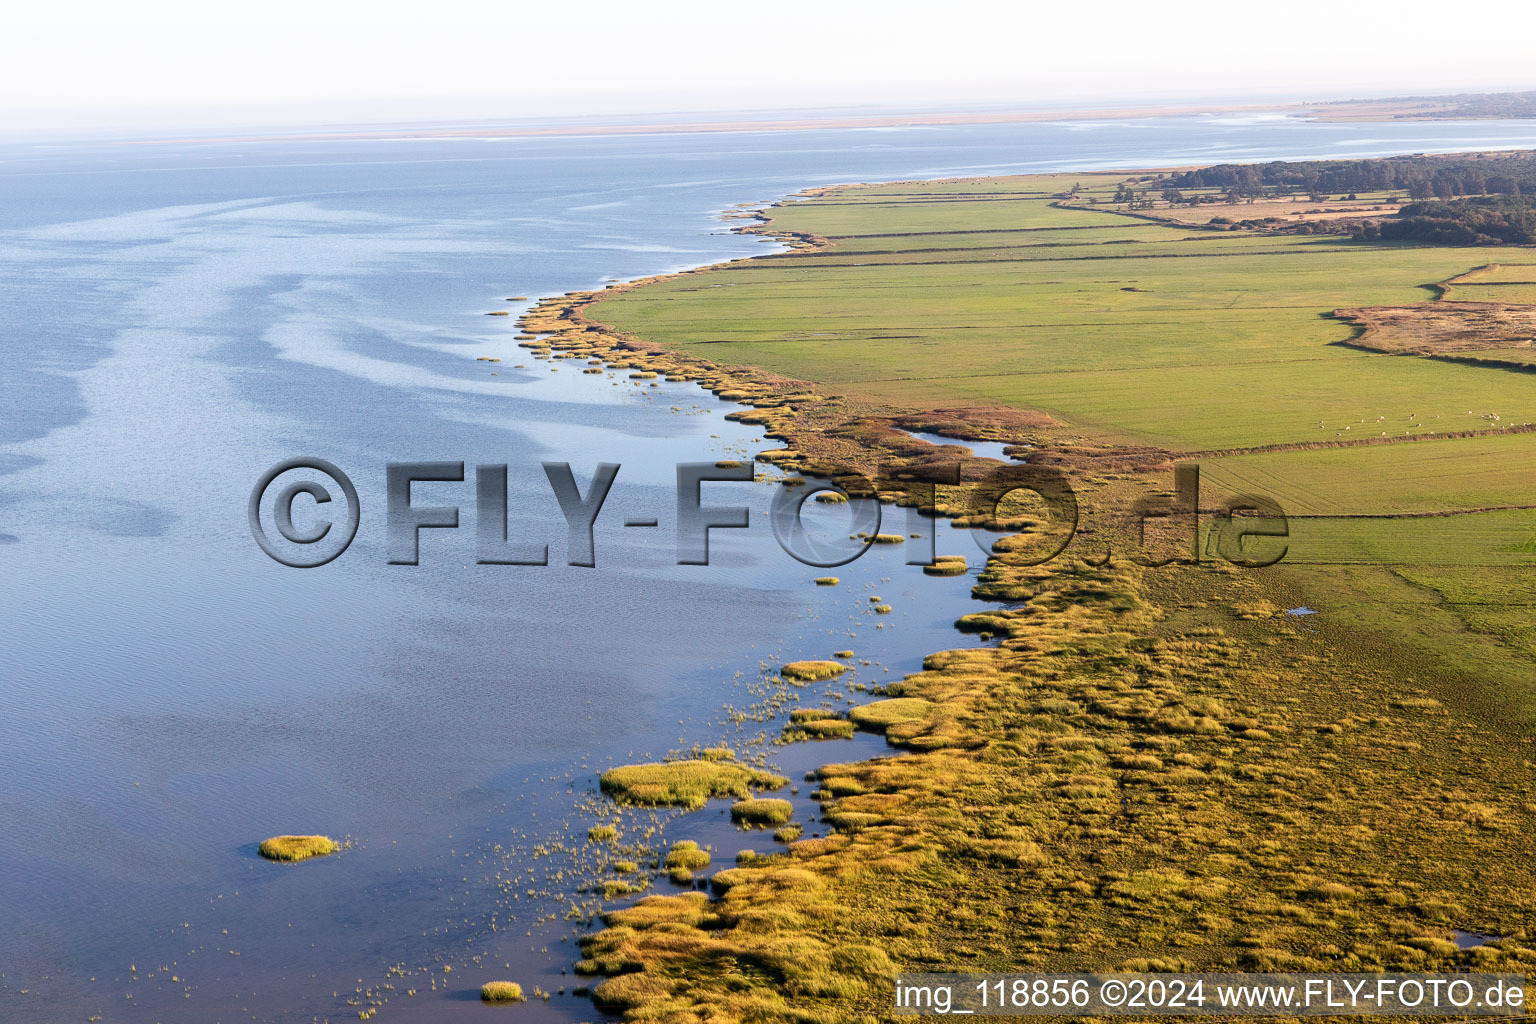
column 502, row 992
column 817, row 724
column 292, row 849
column 687, row 783
column 812, row 671
column 761, row 812
column 684, row 859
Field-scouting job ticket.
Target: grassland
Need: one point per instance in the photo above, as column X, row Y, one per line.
column 1151, row 769
column 1217, row 346
column 924, row 298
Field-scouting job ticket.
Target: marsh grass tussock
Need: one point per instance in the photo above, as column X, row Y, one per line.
column 762, row 812
column 502, row 992
column 686, row 853
column 946, row 565
column 812, row 671
column 685, row 783
column 292, row 849
column 816, row 724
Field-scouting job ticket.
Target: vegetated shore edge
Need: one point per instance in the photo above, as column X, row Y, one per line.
column 1134, row 766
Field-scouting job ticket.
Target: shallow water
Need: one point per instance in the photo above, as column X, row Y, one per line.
column 174, row 320
column 982, row 449
column 1471, row 940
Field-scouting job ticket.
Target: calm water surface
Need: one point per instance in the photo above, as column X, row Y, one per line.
column 176, row 318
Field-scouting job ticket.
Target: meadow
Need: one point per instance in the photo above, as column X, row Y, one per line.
column 1129, row 331
column 1215, row 346
column 1149, row 769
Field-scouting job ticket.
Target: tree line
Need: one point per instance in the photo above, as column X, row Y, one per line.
column 1423, row 177
column 1483, row 220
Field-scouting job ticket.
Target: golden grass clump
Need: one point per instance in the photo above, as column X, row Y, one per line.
column 685, row 853
column 602, row 833
column 688, row 783
column 817, row 724
column 827, row 581
column 762, row 812
column 614, row 887
column 502, row 992
column 831, row 498
column 292, row 849
column 842, row 654
column 946, row 565
column 812, row 671
column 889, row 538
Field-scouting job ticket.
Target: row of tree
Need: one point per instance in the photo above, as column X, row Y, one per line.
column 1424, row 177
column 1510, row 105
column 1486, row 220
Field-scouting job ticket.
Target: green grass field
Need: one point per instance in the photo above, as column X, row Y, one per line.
column 946, row 294
column 1126, row 329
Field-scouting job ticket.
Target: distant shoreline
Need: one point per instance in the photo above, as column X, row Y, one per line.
column 1458, row 107
column 808, row 123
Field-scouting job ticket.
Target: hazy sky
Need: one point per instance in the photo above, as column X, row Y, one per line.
column 69, row 64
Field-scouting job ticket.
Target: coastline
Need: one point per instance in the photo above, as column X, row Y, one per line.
column 822, row 432
column 900, row 846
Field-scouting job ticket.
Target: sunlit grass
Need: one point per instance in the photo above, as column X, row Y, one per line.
column 502, row 992
column 296, row 848
column 688, row 783
column 762, row 812
column 812, row 671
